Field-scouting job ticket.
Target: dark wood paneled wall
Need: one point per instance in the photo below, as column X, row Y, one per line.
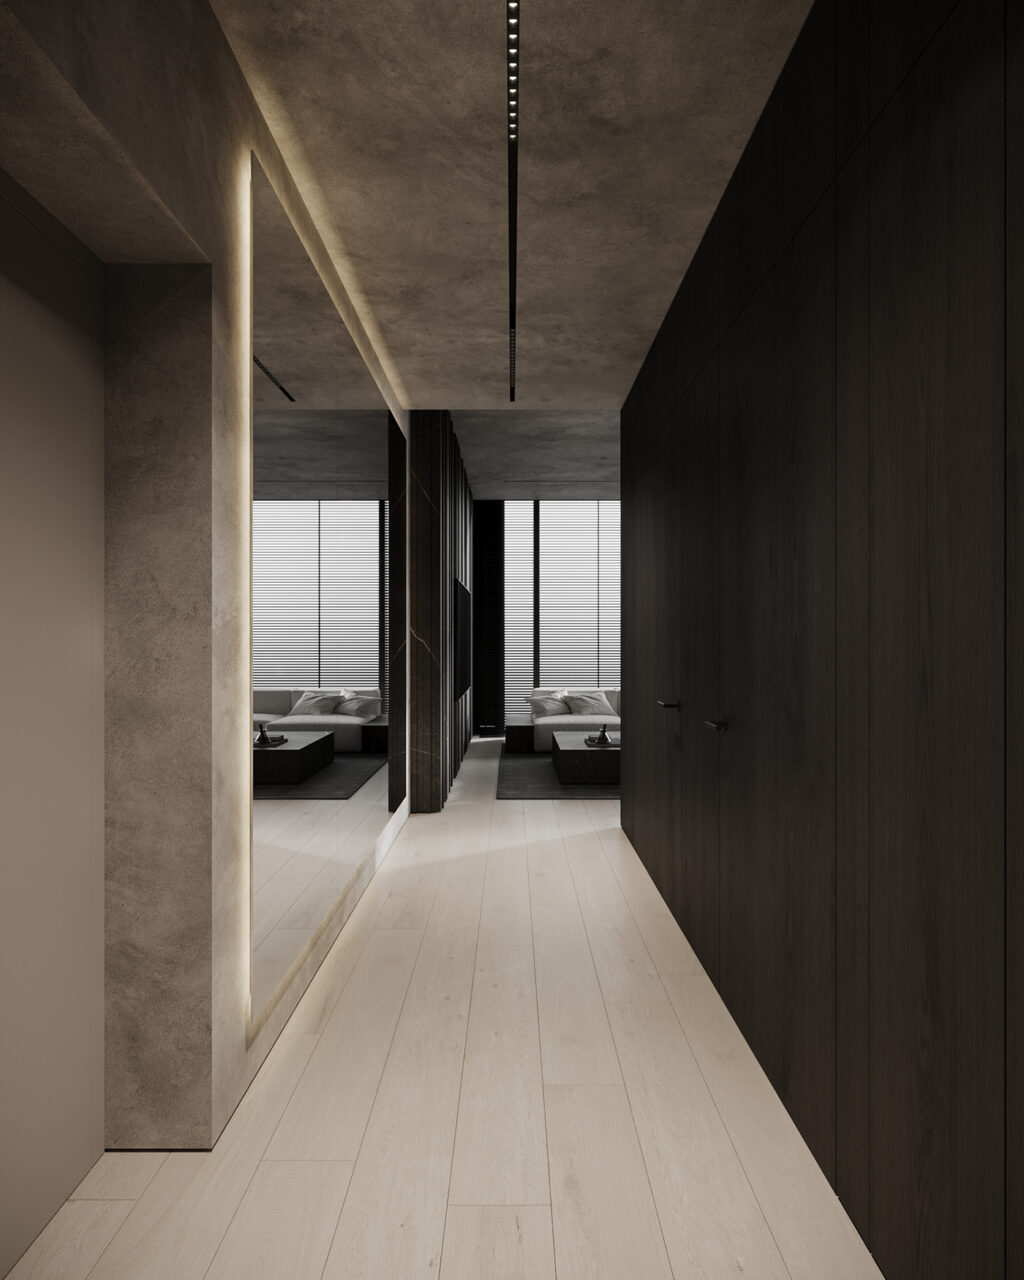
column 823, row 456
column 440, row 507
column 936, row 684
column 1015, row 641
column 489, row 618
column 777, row 652
column 397, row 587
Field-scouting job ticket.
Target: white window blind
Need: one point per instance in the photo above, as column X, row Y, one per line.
column 568, row 593
column 609, row 587
column 316, row 594
column 518, row 607
column 579, row 597
column 285, row 594
column 350, row 593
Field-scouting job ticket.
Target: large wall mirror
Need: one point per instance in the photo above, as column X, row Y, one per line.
column 320, row 612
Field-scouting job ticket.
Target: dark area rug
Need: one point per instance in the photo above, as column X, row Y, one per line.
column 337, row 781
column 533, row 777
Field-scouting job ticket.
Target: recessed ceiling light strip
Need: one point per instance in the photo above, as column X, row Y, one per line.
column 512, row 102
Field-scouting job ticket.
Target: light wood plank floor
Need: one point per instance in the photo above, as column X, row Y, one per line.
column 306, row 854
column 510, row 1065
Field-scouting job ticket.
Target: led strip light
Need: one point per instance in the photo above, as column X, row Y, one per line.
column 512, row 96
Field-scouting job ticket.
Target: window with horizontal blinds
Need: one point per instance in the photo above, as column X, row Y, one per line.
column 568, row 593
column 578, row 597
column 286, row 594
column 316, row 594
column 350, row 593
column 518, row 607
column 609, row 595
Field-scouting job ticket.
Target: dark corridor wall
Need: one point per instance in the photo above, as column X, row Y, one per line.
column 822, row 476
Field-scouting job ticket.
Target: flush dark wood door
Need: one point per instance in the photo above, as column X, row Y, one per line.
column 777, row 517
column 651, row 763
column 937, row 660
column 699, row 677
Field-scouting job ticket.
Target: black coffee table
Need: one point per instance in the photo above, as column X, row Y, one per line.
column 293, row 761
column 576, row 763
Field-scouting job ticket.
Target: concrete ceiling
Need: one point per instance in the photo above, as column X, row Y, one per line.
column 331, row 440
column 390, row 115
column 320, row 453
column 540, row 454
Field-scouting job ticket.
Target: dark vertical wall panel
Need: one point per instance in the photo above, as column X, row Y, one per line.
column 867, row 509
column 1014, row 916
column 632, row 484
column 852, row 677
column 853, row 75
column 694, row 492
column 440, row 550
column 425, row 556
column 397, row 587
column 937, row 680
column 777, row 960
column 899, row 35
column 489, row 618
column 787, row 164
column 651, row 756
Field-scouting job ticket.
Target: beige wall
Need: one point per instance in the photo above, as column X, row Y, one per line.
column 51, row 747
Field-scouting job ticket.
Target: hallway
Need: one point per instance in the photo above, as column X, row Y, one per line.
column 510, row 1064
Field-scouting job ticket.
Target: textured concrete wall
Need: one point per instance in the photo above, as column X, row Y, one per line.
column 158, row 707
column 158, row 85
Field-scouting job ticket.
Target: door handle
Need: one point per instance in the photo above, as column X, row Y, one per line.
column 718, row 726
column 667, row 705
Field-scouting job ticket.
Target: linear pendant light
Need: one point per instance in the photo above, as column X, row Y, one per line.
column 512, row 98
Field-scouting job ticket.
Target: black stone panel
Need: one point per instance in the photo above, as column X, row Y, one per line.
column 397, row 614
column 489, row 618
column 440, row 550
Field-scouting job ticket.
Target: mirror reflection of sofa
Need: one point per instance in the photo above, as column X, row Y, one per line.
column 344, row 711
column 575, row 710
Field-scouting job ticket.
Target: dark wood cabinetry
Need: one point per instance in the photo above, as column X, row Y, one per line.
column 843, row 529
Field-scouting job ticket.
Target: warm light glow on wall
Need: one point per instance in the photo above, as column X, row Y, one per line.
column 243, row 366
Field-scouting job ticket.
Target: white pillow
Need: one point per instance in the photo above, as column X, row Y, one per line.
column 548, row 704
column 318, row 702
column 589, row 702
column 363, row 705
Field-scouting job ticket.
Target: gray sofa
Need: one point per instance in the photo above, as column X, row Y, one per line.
column 545, row 726
column 272, row 706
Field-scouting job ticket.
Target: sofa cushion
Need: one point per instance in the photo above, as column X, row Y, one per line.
column 315, row 702
column 548, row 702
column 363, row 704
column 588, row 702
column 277, row 702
